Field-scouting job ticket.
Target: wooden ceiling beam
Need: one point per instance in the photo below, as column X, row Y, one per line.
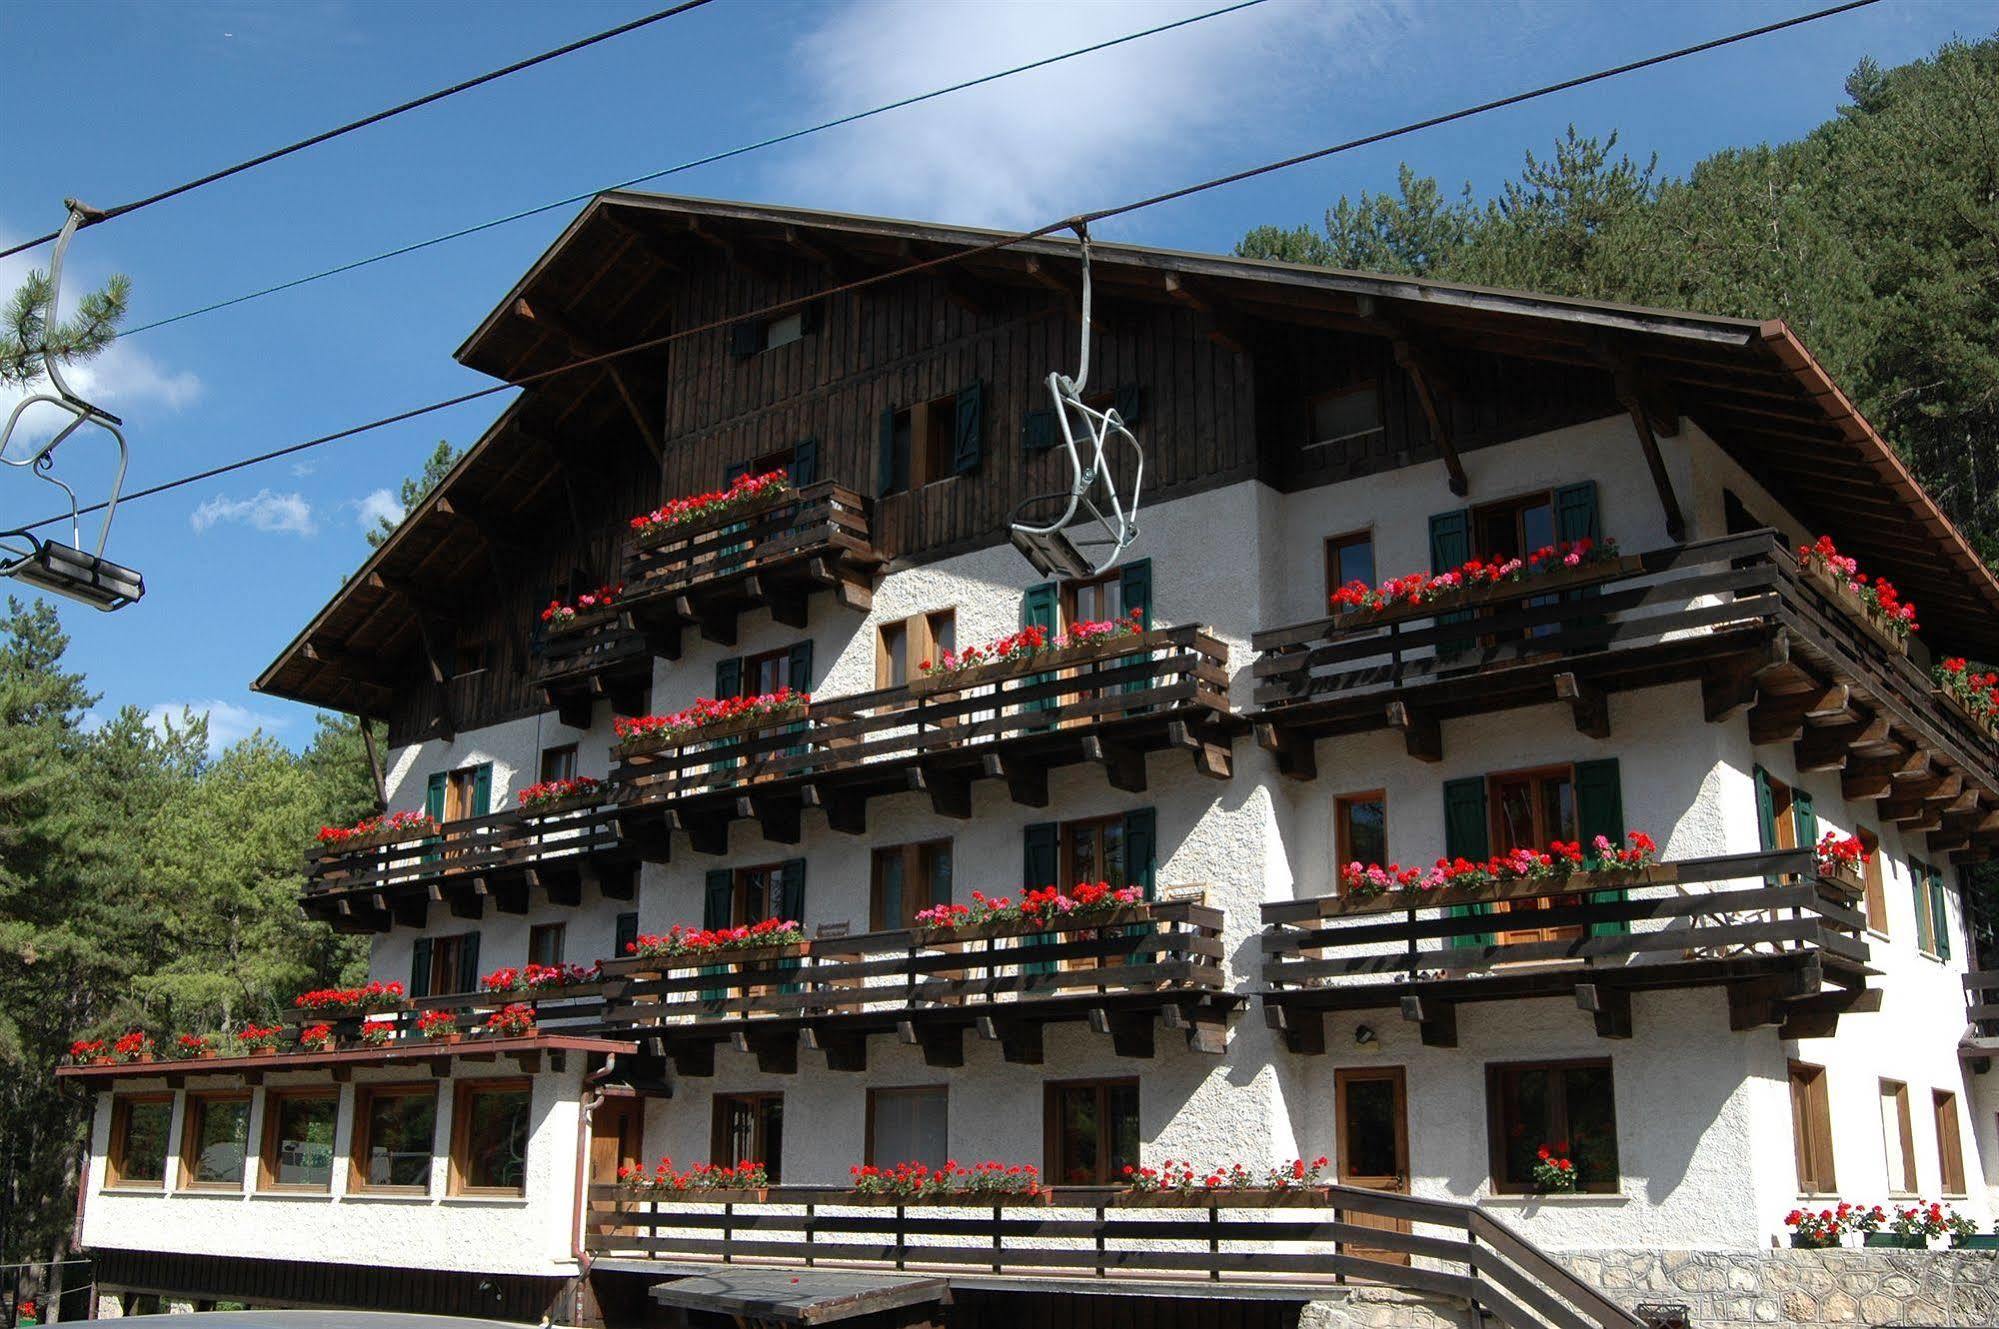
column 586, row 347
column 1431, row 386
column 1227, row 331
column 1650, row 415
column 1057, row 278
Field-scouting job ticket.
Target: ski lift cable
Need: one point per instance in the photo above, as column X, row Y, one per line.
column 992, row 246
column 326, row 135
column 710, row 159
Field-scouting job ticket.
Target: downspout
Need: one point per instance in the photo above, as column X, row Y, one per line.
column 590, row 1102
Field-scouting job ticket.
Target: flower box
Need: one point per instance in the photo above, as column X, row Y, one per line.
column 1264, row 1197
column 1576, row 883
column 1474, row 597
column 1984, row 724
column 755, row 1195
column 591, row 621
column 556, row 807
column 1806, row 1242
column 1896, row 1241
column 661, row 533
column 1843, row 879
column 1976, row 1241
column 953, row 1200
column 1843, row 594
column 647, row 744
column 1043, row 662
column 725, row 955
column 1078, row 921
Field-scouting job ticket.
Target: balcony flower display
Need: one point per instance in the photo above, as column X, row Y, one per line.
column 1418, row 588
column 1030, row 642
column 1554, row 1171
column 982, row 1183
column 680, row 940
column 513, row 1021
column 1818, row 1229
column 1045, row 904
column 370, row 996
column 379, row 830
column 553, row 793
column 378, row 1033
column 1841, row 858
column 316, row 1038
column 87, row 1050
column 1559, row 860
column 1177, row 1179
column 745, row 491
column 1976, row 693
column 706, row 714
column 191, row 1047
column 540, row 978
column 438, row 1025
column 135, row 1046
column 560, row 617
column 663, row 1181
column 257, row 1040
column 1919, row 1222
column 1877, row 596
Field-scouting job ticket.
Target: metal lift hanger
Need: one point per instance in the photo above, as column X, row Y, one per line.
column 67, row 570
column 1107, row 521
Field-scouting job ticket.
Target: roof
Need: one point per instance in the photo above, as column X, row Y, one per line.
column 605, row 284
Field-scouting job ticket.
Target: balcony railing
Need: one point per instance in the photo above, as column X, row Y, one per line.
column 1981, row 1002
column 497, row 856
column 1109, row 702
column 705, row 572
column 604, row 655
column 1791, row 947
column 1094, row 1236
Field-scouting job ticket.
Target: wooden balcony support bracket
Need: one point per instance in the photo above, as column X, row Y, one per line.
column 846, row 811
column 692, row 1060
column 1304, row 1031
column 410, row 911
column 1123, row 767
column 619, row 882
column 950, row 791
column 943, row 1044
column 1026, row 779
column 715, row 623
column 1869, row 777
column 1213, row 753
column 852, row 588
column 1205, row 1025
column 1422, row 735
column 786, row 603
column 1430, row 390
column 707, row 832
column 1437, row 1020
column 776, row 1051
column 1131, row 1032
column 778, row 815
column 1589, row 704
column 1646, row 418
column 1020, row 1040
column 1782, row 717
column 1728, row 689
column 1609, row 1006
column 844, row 1051
column 1296, row 754
column 509, row 897
column 467, row 902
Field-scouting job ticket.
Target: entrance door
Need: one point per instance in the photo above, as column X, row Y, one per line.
column 1372, row 1113
column 617, row 1131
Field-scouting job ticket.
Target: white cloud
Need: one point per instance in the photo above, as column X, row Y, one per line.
column 380, row 505
column 1078, row 134
column 227, row 722
column 263, row 511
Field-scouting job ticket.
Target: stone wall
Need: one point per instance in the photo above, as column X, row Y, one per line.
column 1828, row 1289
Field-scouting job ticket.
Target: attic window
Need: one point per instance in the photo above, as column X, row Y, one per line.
column 755, row 336
column 1346, row 413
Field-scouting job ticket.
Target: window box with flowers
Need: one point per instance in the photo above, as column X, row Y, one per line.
column 1470, row 585
column 515, row 1020
column 592, row 609
column 375, row 995
column 544, row 980
column 1565, row 866
column 1872, row 602
column 1177, row 1184
column 316, row 1038
column 1011, row 655
column 553, row 797
column 704, row 1183
column 707, row 721
column 1820, row 1229
column 1975, row 693
column 90, row 1052
column 378, row 1033
column 374, row 832
column 1040, row 909
column 1965, row 1236
column 258, row 1040
column 1841, row 860
column 133, row 1047
column 771, row 939
column 991, row 1184
column 193, row 1047
column 678, row 518
column 1912, row 1227
column 438, row 1026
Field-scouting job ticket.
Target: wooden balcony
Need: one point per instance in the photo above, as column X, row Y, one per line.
column 602, row 656
column 1097, row 1239
column 705, row 573
column 1110, row 703
column 1734, row 614
column 1791, row 950
column 504, row 858
column 1981, row 1009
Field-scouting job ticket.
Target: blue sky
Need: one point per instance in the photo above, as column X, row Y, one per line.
column 236, row 565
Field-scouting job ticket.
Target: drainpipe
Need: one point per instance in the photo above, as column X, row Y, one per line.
column 592, row 1097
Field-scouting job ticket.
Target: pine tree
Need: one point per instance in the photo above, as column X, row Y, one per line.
column 415, row 489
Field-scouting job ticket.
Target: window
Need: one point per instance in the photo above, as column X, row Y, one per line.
column 1811, row 1130
column 215, row 1140
column 624, row 934
column 1898, row 1138
column 1531, row 809
column 907, row 879
column 1360, row 828
column 749, row 1128
column 1093, row 851
column 545, row 943
column 909, row 1126
column 1349, row 557
column 558, row 763
column 395, row 1131
column 755, row 336
column 759, row 894
column 902, row 647
column 489, row 1137
column 1926, row 928
column 766, row 673
column 784, row 330
column 1514, row 528
column 921, row 441
column 462, row 796
column 1569, row 1107
column 443, row 966
column 1345, row 413
column 1871, row 873
column 1092, row 1130
column 298, row 1138
column 1093, row 600
column 139, row 1126
column 1950, row 1149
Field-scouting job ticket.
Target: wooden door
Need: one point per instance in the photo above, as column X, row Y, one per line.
column 617, row 1138
column 1372, row 1113
column 1530, row 810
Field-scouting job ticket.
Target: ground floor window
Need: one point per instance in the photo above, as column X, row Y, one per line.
column 749, row 1128
column 139, row 1126
column 489, row 1138
column 215, row 1140
column 1092, row 1131
column 1811, row 1129
column 395, row 1132
column 1567, row 1107
column 1950, row 1149
column 909, row 1126
column 1898, row 1138
column 298, row 1138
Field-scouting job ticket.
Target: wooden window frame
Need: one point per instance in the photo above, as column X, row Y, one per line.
column 461, row 785
column 120, row 1143
column 1950, row 1144
column 755, row 664
column 875, row 1094
column 455, row 941
column 1355, row 389
column 718, row 1132
column 1065, row 846
column 1068, row 614
column 192, row 1112
column 1811, row 1129
column 1334, row 544
column 1919, row 892
column 1342, row 834
column 1906, row 1131
column 1516, row 503
column 919, row 643
column 267, row 1146
column 913, row 858
column 360, row 1135
column 738, row 879
column 561, row 934
column 1496, row 1073
column 1874, row 875
column 557, row 750
column 930, row 428
column 1051, row 1121
column 461, row 1131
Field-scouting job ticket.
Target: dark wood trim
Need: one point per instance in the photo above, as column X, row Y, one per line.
column 194, row 1106
column 267, row 1151
column 360, row 1140
column 120, row 1141
column 461, row 1127
column 1495, row 1074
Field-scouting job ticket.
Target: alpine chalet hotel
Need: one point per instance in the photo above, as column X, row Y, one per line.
column 1707, row 959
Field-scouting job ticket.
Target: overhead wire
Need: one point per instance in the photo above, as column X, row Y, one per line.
column 104, row 215
column 998, row 243
column 709, row 159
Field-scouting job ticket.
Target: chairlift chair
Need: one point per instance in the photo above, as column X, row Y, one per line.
column 1106, row 521
column 67, row 570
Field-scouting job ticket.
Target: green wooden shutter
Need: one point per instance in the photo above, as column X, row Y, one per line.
column 968, row 443
column 1135, row 588
column 1939, row 916
column 1805, row 817
column 799, row 666
column 1766, row 820
column 804, row 466
column 887, row 473
column 1576, row 513
column 1129, row 403
column 1041, row 865
column 468, row 963
column 940, row 878
column 892, row 889
column 728, row 677
column 1039, row 431
column 625, row 935
column 791, row 904
column 420, row 967
column 482, row 790
column 1466, row 836
column 1600, row 811
column 433, row 796
column 1450, row 547
column 718, row 900
column 1038, row 609
column 1141, row 850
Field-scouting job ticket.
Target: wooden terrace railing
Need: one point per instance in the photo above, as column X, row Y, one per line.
column 603, row 654
column 1308, row 1242
column 1981, row 1002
